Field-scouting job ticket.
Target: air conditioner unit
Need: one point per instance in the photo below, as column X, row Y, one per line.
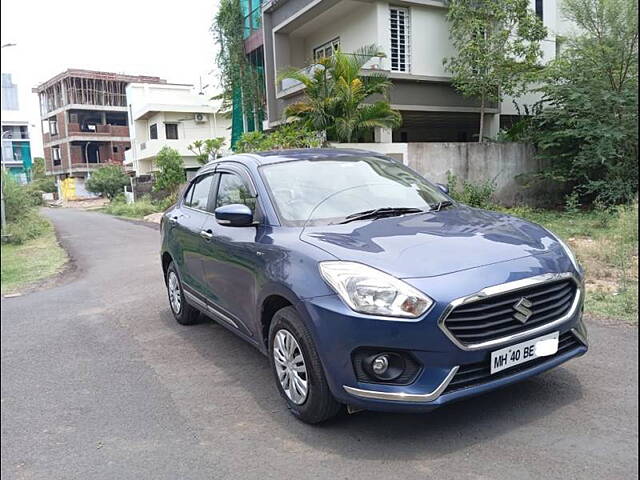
column 200, row 118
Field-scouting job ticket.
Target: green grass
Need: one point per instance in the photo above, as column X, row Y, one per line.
column 30, row 262
column 139, row 209
column 606, row 244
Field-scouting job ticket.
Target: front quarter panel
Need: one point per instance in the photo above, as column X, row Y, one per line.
column 290, row 267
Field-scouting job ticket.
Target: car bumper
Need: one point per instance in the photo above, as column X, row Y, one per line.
column 443, row 365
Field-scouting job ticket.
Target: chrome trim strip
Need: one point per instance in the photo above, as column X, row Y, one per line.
column 209, row 309
column 581, row 333
column 506, row 288
column 402, row 396
column 580, row 337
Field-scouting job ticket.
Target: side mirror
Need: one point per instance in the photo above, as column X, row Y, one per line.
column 444, row 188
column 234, row 215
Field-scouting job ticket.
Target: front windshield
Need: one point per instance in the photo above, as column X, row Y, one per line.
column 328, row 191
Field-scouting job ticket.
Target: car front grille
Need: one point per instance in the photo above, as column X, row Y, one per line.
column 495, row 317
column 479, row 373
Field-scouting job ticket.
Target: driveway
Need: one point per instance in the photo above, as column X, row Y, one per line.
column 99, row 382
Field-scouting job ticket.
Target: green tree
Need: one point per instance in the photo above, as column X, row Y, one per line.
column 108, row 181
column 589, row 126
column 171, row 171
column 238, row 76
column 498, row 49
column 37, row 168
column 337, row 100
column 204, row 150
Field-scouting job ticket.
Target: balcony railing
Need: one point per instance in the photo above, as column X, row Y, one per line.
column 290, row 85
column 98, row 130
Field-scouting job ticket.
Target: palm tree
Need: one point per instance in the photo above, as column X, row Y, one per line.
column 335, row 96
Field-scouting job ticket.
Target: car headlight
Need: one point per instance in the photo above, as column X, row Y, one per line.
column 568, row 251
column 368, row 290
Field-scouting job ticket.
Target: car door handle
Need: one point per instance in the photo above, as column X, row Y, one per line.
column 174, row 219
column 206, row 234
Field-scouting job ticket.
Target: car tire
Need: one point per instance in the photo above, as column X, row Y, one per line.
column 318, row 404
column 184, row 313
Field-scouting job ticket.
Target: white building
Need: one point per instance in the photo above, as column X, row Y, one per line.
column 414, row 37
column 169, row 115
column 16, row 136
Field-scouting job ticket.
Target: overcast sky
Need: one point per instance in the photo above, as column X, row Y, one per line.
column 140, row 37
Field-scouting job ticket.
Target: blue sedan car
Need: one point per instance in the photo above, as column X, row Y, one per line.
column 366, row 285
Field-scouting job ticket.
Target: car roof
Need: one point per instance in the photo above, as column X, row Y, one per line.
column 277, row 156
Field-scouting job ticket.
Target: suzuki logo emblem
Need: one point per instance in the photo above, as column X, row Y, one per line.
column 522, row 308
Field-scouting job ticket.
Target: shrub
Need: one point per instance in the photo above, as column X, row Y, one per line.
column 572, row 203
column 171, row 174
column 138, row 209
column 44, row 184
column 286, row 136
column 472, row 194
column 18, row 200
column 108, row 181
column 30, row 225
column 165, row 203
column 588, row 129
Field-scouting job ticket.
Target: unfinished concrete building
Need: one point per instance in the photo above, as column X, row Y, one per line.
column 84, row 124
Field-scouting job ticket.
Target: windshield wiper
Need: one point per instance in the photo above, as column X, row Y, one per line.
column 380, row 212
column 440, row 205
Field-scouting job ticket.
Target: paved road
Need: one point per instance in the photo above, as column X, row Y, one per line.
column 99, row 382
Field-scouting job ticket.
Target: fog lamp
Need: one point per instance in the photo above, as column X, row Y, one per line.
column 380, row 364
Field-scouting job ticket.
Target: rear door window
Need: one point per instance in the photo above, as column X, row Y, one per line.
column 198, row 195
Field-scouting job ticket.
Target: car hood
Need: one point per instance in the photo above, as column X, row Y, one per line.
column 431, row 244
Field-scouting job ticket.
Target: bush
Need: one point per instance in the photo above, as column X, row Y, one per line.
column 18, row 199
column 44, row 184
column 472, row 194
column 138, row 209
column 171, row 174
column 29, row 226
column 108, row 181
column 165, row 203
column 588, row 129
column 286, row 136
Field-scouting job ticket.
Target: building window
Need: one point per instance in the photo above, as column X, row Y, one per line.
column 9, row 93
column 153, row 132
column 400, row 36
column 540, row 9
column 171, row 131
column 53, row 127
column 55, row 155
column 326, row 50
column 115, row 149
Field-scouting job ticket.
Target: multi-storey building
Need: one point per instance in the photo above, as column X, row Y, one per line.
column 169, row 115
column 84, row 122
column 16, row 140
column 242, row 120
column 413, row 37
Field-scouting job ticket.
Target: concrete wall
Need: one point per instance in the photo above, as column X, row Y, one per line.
column 509, row 165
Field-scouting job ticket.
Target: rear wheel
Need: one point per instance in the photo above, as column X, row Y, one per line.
column 297, row 369
column 184, row 313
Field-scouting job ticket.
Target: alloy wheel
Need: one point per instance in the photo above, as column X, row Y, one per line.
column 290, row 366
column 175, row 297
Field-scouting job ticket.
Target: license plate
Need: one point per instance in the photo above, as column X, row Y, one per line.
column 524, row 352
